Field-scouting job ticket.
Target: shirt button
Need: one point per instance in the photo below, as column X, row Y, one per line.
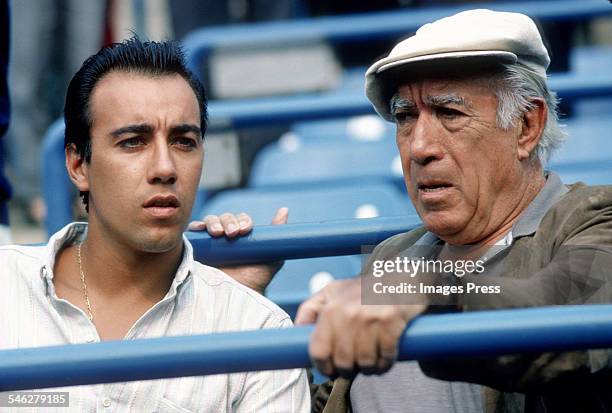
column 106, row 403
column 90, row 339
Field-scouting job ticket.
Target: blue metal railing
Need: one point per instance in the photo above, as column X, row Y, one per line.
column 370, row 26
column 427, row 337
column 292, row 241
column 284, row 110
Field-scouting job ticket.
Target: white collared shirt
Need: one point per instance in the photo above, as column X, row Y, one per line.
column 201, row 300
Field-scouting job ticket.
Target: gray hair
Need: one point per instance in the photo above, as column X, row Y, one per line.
column 515, row 86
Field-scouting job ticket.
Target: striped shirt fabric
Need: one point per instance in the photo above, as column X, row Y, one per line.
column 201, row 300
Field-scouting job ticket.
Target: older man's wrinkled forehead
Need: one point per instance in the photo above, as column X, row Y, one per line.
column 440, row 92
column 434, row 92
column 443, row 73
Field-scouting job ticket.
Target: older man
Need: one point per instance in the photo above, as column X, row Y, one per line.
column 475, row 124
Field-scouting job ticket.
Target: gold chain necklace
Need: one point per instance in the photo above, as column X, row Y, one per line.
column 83, row 284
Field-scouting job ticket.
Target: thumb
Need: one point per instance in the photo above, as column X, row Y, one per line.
column 281, row 216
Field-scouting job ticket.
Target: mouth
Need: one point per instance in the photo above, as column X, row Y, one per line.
column 162, row 206
column 430, row 187
column 434, row 193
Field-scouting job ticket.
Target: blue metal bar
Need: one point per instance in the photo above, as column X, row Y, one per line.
column 370, row 26
column 427, row 337
column 291, row 241
column 246, row 113
column 266, row 111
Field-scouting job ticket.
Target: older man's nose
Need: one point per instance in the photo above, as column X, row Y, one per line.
column 424, row 146
column 162, row 167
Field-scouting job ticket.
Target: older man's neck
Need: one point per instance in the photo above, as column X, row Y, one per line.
column 527, row 193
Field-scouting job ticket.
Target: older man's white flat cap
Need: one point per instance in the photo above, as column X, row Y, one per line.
column 473, row 38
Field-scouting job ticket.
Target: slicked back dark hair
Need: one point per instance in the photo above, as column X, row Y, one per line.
column 130, row 56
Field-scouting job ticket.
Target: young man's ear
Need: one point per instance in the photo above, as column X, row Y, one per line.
column 534, row 121
column 77, row 168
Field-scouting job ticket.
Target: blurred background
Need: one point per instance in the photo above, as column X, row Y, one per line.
column 289, row 121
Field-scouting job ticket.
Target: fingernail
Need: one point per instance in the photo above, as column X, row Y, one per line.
column 232, row 228
column 217, row 227
column 243, row 224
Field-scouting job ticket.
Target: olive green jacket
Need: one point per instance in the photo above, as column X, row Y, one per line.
column 565, row 259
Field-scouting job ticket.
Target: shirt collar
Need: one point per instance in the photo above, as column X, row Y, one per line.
column 185, row 268
column 530, row 219
column 71, row 234
column 76, row 232
column 549, row 195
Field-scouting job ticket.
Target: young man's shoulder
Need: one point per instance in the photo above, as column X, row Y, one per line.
column 254, row 310
column 16, row 258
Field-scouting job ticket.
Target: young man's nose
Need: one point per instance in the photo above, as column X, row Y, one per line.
column 162, row 165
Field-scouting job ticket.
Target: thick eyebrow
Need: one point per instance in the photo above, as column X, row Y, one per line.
column 145, row 128
column 400, row 103
column 186, row 128
column 141, row 129
column 441, row 100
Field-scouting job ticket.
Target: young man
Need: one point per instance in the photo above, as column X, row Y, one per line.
column 135, row 120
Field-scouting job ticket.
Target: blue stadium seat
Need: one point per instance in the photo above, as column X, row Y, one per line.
column 294, row 160
column 365, row 128
column 587, row 60
column 311, row 203
column 587, row 154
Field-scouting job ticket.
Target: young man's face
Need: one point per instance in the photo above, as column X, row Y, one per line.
column 146, row 159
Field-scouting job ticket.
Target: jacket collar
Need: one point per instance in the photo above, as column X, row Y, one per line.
column 549, row 195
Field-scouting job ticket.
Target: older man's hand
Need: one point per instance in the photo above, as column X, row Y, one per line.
column 350, row 337
column 256, row 276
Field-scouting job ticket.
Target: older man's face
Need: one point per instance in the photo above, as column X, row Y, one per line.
column 461, row 170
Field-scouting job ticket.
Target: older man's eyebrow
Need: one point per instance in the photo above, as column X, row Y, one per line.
column 142, row 128
column 399, row 103
column 441, row 100
column 186, row 128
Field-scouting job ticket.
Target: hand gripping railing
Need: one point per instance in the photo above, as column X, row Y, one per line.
column 427, row 337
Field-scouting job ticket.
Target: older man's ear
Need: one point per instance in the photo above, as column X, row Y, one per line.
column 533, row 123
